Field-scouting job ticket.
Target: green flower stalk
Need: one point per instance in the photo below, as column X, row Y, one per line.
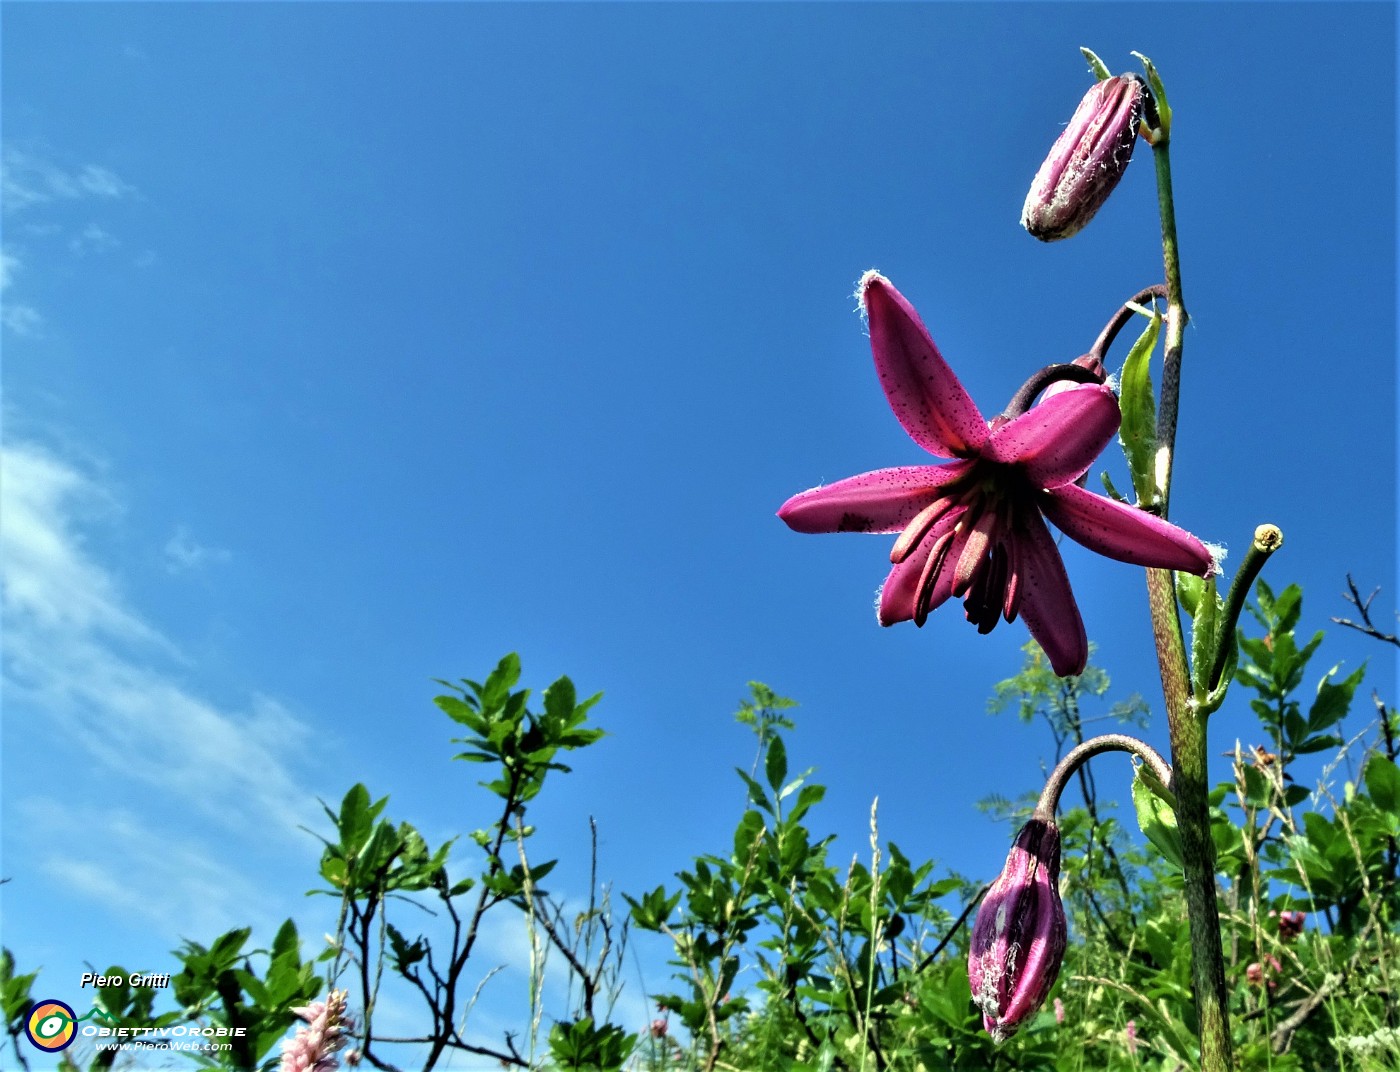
column 1186, row 723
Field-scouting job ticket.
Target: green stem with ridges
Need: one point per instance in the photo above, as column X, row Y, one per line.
column 1186, row 726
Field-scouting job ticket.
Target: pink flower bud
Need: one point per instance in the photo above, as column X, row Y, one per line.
column 659, row 1028
column 1290, row 925
column 1257, row 973
column 1018, row 940
column 1087, row 159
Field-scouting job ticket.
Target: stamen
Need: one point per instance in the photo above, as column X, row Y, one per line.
column 991, row 589
column 916, row 530
column 974, row 552
column 1011, row 598
column 981, row 610
column 928, row 580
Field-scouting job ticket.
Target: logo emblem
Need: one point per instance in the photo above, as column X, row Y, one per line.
column 51, row 1025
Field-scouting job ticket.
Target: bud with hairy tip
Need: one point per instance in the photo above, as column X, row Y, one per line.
column 1018, row 940
column 1087, row 159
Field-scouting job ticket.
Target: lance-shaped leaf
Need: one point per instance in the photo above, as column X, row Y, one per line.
column 1138, row 432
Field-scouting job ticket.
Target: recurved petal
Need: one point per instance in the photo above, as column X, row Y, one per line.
column 1056, row 441
column 881, row 501
column 925, row 395
column 1047, row 603
column 1124, row 532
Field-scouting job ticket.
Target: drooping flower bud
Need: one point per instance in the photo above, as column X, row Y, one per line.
column 1087, row 159
column 1018, row 940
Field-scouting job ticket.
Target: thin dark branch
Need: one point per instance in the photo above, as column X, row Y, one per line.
column 957, row 926
column 1363, row 608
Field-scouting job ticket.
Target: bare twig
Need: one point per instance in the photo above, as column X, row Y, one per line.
column 1363, row 608
column 957, row 926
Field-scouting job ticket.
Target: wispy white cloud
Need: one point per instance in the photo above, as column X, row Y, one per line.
column 183, row 552
column 18, row 317
column 22, row 319
column 93, row 239
column 31, row 190
column 80, row 659
column 144, row 873
column 27, row 179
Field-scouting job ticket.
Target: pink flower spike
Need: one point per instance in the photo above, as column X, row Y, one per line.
column 315, row 1046
column 974, row 528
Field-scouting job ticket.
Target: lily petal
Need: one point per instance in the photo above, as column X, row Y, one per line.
column 885, row 500
column 1047, row 604
column 929, row 400
column 1124, row 532
column 1056, row 441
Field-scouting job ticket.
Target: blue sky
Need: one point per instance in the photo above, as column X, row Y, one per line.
column 351, row 346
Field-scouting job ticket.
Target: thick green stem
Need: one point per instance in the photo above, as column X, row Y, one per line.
column 1186, row 726
column 1176, row 325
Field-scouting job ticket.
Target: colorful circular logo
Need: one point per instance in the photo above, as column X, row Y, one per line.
column 51, row 1025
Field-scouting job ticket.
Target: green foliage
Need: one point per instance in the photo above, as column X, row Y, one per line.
column 218, row 986
column 504, row 732
column 582, row 1045
column 15, row 995
column 1037, row 692
column 786, row 962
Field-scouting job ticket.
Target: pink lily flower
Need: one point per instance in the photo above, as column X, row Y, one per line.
column 974, row 527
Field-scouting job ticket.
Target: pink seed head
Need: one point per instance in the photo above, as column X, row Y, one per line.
column 1087, row 159
column 1018, row 940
